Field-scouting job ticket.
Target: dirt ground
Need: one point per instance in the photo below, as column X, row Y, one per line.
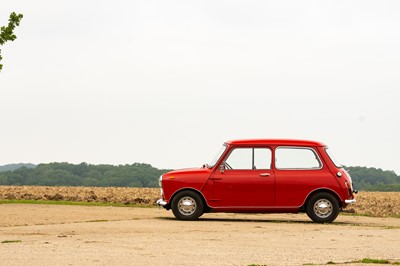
column 88, row 235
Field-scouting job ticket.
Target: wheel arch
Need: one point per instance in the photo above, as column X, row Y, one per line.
column 320, row 190
column 206, row 206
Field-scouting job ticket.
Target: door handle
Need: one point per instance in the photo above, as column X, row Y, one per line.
column 265, row 174
column 215, row 178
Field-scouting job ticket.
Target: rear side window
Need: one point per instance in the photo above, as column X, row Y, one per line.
column 296, row 158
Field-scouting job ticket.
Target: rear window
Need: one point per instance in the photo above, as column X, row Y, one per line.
column 293, row 158
column 333, row 159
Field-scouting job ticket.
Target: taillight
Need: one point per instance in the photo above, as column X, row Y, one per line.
column 349, row 188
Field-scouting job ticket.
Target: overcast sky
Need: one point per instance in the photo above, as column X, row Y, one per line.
column 167, row 82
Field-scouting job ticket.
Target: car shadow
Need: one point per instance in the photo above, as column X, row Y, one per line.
column 249, row 220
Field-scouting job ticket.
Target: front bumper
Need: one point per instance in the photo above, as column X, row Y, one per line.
column 350, row 201
column 161, row 202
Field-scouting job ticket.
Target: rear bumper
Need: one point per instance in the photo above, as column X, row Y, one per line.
column 350, row 201
column 161, row 202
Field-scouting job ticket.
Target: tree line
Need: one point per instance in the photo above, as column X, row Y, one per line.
column 374, row 179
column 66, row 174
column 145, row 175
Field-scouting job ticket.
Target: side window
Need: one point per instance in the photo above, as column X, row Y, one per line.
column 239, row 159
column 296, row 158
column 249, row 158
column 262, row 158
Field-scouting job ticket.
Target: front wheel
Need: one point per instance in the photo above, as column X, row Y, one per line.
column 322, row 208
column 187, row 205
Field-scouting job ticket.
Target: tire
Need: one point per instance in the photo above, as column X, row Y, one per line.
column 322, row 207
column 187, row 205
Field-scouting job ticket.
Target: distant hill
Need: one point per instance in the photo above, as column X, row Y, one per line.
column 83, row 174
column 15, row 166
column 374, row 179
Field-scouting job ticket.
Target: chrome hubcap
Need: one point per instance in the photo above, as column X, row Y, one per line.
column 187, row 206
column 323, row 208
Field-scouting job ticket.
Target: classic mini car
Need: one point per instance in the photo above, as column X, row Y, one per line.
column 261, row 176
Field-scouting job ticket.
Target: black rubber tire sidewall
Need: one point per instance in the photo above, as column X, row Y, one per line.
column 199, row 203
column 314, row 199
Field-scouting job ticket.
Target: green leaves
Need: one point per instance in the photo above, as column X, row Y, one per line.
column 373, row 179
column 83, row 174
column 7, row 32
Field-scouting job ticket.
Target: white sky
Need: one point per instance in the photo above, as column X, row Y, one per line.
column 167, row 82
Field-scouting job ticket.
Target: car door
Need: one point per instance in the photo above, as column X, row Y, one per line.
column 245, row 179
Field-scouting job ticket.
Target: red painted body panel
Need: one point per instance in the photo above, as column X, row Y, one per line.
column 293, row 186
column 243, row 188
column 193, row 178
column 271, row 190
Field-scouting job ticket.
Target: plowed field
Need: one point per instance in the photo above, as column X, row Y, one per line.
column 141, row 196
column 377, row 204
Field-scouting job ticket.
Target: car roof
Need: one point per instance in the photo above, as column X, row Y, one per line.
column 281, row 142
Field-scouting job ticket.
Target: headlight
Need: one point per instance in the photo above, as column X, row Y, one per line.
column 160, row 181
column 160, row 184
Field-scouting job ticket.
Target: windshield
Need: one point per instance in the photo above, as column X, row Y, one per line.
column 215, row 160
column 333, row 159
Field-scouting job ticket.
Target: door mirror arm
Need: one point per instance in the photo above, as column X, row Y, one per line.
column 222, row 168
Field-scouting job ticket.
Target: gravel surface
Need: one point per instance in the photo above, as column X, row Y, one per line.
column 88, row 235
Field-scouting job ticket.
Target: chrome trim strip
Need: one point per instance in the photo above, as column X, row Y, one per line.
column 256, row 207
column 350, row 201
column 161, row 202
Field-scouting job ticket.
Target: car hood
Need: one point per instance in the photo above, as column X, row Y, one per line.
column 188, row 171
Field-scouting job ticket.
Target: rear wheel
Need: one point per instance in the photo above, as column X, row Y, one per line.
column 322, row 208
column 187, row 205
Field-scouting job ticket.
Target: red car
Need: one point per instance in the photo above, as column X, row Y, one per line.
column 261, row 176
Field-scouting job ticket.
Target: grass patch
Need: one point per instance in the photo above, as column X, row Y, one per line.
column 369, row 215
column 355, row 214
column 11, row 241
column 375, row 261
column 365, row 261
column 97, row 221
column 75, row 203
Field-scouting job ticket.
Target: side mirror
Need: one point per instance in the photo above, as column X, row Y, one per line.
column 222, row 168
